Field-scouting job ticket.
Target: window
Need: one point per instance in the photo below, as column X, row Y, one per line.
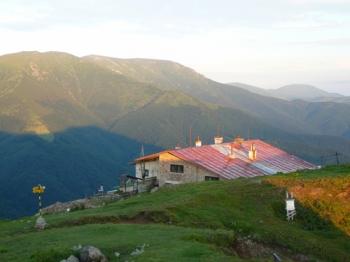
column 211, row 178
column 177, row 168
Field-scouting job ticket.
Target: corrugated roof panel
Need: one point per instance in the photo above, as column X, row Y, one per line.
column 215, row 158
column 211, row 159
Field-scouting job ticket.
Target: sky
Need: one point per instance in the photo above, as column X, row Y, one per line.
column 267, row 43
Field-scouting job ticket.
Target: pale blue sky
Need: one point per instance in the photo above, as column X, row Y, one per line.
column 268, row 43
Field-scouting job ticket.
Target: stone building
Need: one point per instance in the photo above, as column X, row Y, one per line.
column 239, row 158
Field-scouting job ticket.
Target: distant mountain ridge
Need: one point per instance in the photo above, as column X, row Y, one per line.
column 292, row 92
column 299, row 91
column 100, row 110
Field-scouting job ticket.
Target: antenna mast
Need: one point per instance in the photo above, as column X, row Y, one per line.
column 143, row 167
column 190, row 136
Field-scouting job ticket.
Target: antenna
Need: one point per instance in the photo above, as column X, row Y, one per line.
column 142, row 153
column 337, row 155
column 143, row 165
column 190, row 136
column 218, row 130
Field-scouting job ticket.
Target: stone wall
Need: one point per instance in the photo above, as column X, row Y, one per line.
column 192, row 173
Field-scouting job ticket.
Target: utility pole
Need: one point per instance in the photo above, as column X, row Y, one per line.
column 337, row 157
column 322, row 160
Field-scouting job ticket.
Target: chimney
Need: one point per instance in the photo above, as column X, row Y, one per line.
column 218, row 140
column 252, row 155
column 238, row 140
column 231, row 153
column 198, row 142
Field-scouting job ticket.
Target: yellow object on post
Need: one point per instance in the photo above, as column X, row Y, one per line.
column 39, row 189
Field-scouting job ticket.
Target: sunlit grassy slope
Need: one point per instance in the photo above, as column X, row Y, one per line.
column 210, row 221
column 326, row 192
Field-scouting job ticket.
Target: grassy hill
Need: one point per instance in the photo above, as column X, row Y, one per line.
column 233, row 220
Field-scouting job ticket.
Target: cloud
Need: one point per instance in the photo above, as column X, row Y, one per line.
column 314, row 19
column 331, row 42
column 313, row 2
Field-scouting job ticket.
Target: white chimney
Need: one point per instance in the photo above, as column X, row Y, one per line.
column 198, row 142
column 218, row 140
column 253, row 153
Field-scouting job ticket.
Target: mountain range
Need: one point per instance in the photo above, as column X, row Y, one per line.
column 293, row 92
column 74, row 123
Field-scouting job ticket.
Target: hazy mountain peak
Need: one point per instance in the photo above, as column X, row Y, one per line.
column 302, row 91
column 290, row 92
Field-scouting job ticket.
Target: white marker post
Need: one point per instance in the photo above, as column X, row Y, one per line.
column 40, row 222
column 290, row 206
column 39, row 190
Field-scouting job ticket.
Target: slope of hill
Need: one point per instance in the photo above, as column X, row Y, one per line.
column 325, row 191
column 343, row 99
column 239, row 220
column 292, row 116
column 168, row 75
column 52, row 91
column 252, row 89
column 61, row 90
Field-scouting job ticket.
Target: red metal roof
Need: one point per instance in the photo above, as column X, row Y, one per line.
column 149, row 157
column 216, row 159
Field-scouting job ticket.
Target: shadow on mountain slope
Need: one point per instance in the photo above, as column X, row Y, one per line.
column 71, row 164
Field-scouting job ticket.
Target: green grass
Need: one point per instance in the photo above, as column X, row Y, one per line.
column 326, row 172
column 162, row 242
column 192, row 222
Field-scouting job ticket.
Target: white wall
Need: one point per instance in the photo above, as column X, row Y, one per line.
column 151, row 166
